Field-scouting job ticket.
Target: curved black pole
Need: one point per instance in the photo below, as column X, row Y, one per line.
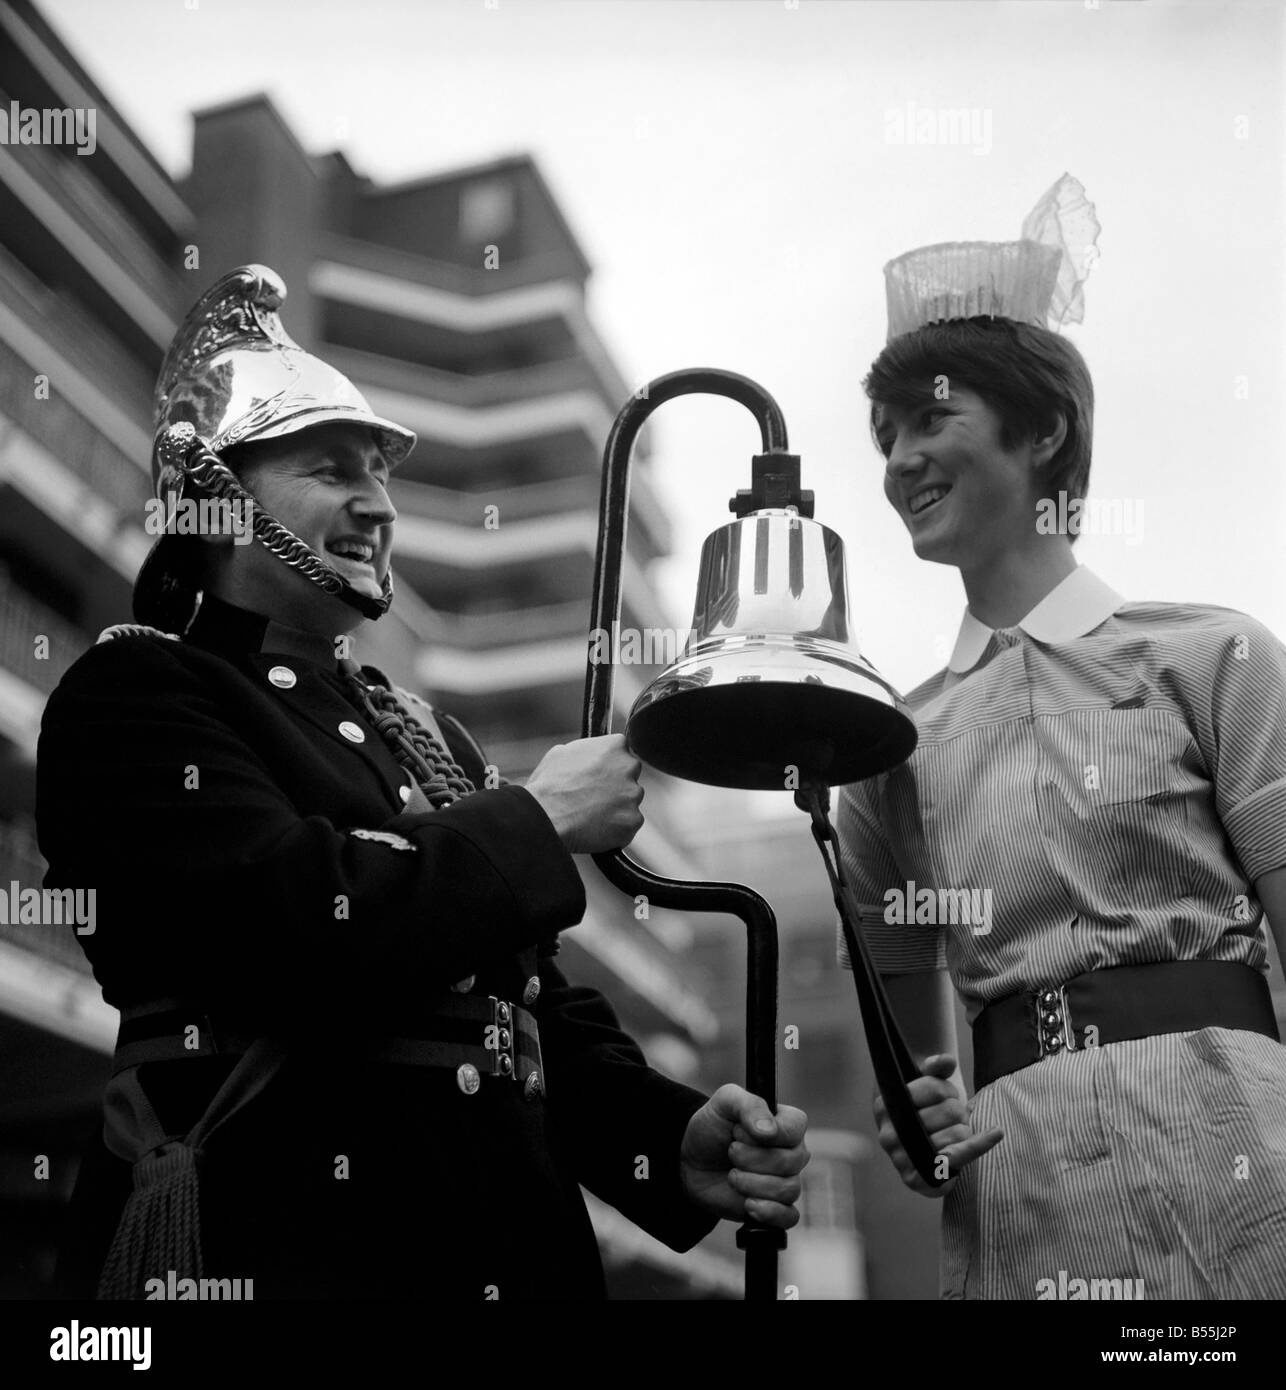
column 761, row 1243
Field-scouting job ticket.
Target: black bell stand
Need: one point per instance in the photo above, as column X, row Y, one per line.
column 761, row 1243
column 775, row 475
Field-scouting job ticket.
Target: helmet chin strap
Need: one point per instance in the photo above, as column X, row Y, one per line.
column 185, row 459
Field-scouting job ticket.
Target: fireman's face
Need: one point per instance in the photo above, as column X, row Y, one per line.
column 329, row 485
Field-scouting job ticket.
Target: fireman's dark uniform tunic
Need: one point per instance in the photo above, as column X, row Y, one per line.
column 205, row 789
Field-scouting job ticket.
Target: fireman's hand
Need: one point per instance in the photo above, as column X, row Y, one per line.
column 590, row 791
column 739, row 1160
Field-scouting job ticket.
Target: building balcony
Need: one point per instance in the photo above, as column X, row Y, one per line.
column 418, row 374
column 46, row 983
column 612, row 951
column 429, row 316
column 59, row 195
column 77, row 337
column 76, row 444
column 41, row 71
column 100, row 436
column 22, row 620
column 473, row 282
column 26, row 680
column 523, row 504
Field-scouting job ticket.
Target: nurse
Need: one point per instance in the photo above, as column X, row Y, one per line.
column 1113, row 772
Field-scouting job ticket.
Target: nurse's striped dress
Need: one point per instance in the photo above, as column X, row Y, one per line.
column 1117, row 793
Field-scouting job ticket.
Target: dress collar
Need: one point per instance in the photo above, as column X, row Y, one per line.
column 223, row 626
column 1075, row 606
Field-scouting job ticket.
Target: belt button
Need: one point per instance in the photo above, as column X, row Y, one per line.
column 467, row 1078
column 506, row 1066
column 1048, row 998
column 531, row 992
column 1053, row 1043
column 533, row 1088
column 502, row 1012
column 505, row 1040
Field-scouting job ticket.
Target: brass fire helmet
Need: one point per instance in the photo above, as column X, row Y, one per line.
column 233, row 374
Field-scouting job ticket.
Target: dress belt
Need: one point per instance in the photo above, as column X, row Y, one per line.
column 474, row 1035
column 1119, row 1004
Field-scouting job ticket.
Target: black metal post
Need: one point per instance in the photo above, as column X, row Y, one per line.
column 761, row 1243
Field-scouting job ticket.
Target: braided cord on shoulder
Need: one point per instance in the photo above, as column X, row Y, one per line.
column 442, row 780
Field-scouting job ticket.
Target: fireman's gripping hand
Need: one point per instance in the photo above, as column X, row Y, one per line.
column 590, row 791
column 739, row 1160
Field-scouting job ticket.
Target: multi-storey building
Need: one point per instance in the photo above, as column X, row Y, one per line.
column 88, row 301
column 457, row 304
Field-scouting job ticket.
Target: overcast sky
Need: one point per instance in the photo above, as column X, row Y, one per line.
column 728, row 167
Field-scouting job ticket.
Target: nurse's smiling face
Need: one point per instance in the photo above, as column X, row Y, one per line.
column 962, row 494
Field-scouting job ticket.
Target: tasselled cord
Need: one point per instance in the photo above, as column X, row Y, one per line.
column 442, row 780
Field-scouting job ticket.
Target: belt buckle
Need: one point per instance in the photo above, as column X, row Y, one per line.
column 500, row 1039
column 1055, row 1031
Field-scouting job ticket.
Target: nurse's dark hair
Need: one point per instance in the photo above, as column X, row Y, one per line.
column 1024, row 373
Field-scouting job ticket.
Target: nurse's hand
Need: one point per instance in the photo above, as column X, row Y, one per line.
column 945, row 1115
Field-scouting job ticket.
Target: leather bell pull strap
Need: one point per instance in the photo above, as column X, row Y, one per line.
column 891, row 1059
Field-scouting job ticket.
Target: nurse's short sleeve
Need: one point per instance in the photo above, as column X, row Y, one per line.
column 870, row 870
column 1245, row 743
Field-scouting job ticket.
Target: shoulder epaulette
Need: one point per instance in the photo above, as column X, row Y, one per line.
column 133, row 630
column 413, row 698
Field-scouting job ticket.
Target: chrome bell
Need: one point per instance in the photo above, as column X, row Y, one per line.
column 770, row 692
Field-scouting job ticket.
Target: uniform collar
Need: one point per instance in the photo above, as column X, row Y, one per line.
column 223, row 626
column 1075, row 606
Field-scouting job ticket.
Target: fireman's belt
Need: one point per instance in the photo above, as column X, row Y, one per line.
column 473, row 1035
